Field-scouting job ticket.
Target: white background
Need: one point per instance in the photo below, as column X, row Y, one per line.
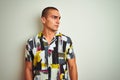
column 93, row 25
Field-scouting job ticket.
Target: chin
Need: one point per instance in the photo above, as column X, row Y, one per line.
column 55, row 30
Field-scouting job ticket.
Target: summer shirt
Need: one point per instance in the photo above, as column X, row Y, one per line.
column 49, row 61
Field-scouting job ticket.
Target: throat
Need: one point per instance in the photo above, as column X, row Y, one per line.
column 49, row 40
column 48, row 35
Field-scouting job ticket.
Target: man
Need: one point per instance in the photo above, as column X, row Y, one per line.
column 50, row 54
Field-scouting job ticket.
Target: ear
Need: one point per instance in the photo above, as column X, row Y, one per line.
column 43, row 20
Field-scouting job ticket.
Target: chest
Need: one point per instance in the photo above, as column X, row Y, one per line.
column 50, row 54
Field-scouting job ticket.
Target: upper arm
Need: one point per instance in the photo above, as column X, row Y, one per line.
column 72, row 63
column 28, row 57
column 72, row 69
column 28, row 65
column 28, row 70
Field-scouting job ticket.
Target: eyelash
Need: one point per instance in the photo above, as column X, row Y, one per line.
column 55, row 17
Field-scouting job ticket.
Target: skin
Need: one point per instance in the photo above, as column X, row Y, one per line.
column 72, row 69
column 28, row 70
column 50, row 26
column 51, row 23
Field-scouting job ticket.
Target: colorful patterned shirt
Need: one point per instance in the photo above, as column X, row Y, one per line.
column 49, row 60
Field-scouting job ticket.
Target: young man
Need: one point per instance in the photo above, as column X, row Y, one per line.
column 50, row 54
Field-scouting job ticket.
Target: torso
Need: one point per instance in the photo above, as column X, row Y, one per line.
column 50, row 58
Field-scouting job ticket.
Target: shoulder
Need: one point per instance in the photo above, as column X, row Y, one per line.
column 35, row 37
column 65, row 38
column 33, row 40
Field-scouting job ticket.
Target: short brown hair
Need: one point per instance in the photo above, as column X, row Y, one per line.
column 45, row 11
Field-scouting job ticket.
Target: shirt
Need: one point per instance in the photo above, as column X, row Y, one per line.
column 49, row 61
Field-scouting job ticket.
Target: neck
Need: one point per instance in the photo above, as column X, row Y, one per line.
column 48, row 35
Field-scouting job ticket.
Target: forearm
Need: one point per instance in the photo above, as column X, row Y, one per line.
column 73, row 73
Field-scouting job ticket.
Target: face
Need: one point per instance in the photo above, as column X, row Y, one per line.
column 52, row 20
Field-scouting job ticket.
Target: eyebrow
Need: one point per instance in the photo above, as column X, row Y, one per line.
column 56, row 16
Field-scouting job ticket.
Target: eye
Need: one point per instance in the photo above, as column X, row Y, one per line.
column 55, row 17
column 59, row 17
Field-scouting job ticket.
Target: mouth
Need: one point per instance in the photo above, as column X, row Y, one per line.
column 57, row 25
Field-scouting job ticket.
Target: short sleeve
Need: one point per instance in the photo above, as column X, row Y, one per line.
column 70, row 51
column 28, row 51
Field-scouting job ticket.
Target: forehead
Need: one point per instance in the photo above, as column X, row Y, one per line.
column 53, row 12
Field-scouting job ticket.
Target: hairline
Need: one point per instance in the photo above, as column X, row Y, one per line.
column 46, row 11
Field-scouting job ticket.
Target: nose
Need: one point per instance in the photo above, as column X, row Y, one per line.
column 58, row 21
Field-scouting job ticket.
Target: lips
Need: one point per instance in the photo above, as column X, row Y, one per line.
column 57, row 25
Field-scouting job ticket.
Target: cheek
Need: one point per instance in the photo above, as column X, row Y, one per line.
column 51, row 22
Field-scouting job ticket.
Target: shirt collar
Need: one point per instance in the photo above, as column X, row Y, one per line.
column 40, row 35
column 57, row 34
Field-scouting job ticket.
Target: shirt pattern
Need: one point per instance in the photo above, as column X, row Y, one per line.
column 49, row 61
